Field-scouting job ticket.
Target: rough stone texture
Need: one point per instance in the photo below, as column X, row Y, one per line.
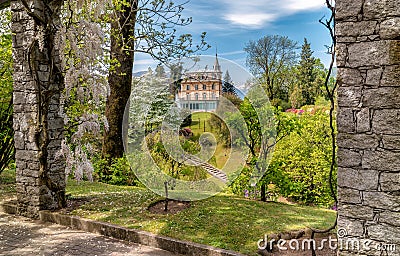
column 36, row 79
column 368, row 57
column 351, row 196
column 358, row 179
column 391, row 76
column 390, row 182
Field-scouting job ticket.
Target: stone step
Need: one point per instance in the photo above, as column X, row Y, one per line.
column 209, row 168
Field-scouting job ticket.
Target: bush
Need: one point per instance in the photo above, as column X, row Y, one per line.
column 6, row 87
column 242, row 182
column 301, row 161
column 119, row 173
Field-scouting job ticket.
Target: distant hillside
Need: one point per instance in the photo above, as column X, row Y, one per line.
column 139, row 74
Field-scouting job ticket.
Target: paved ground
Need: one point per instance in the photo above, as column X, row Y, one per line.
column 21, row 236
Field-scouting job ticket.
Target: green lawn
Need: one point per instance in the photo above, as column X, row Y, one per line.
column 7, row 185
column 225, row 221
column 199, row 121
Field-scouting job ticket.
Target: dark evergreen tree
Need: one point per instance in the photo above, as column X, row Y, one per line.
column 306, row 89
column 160, row 71
column 227, row 84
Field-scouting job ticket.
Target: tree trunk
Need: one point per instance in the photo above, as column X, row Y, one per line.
column 263, row 192
column 119, row 79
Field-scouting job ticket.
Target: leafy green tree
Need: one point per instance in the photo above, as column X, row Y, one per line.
column 6, row 81
column 264, row 126
column 218, row 125
column 167, row 163
column 6, row 88
column 301, row 161
column 270, row 59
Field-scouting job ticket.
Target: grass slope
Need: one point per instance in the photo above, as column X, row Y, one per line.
column 224, row 220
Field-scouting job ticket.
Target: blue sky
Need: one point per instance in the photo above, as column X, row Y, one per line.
column 230, row 24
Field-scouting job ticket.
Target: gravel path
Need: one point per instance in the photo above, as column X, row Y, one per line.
column 21, row 236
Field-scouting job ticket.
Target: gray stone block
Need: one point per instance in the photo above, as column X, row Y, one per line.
column 352, row 196
column 368, row 54
column 360, row 212
column 391, row 142
column 348, row 10
column 353, row 227
column 362, row 28
column 389, row 233
column 386, row 121
column 349, row 158
column 382, row 200
column 374, row 77
column 380, row 9
column 381, row 160
column 390, row 218
column 349, row 96
column 345, row 120
column 391, row 76
column 358, row 179
column 384, row 97
column 357, row 141
column 350, row 77
column 390, row 28
column 390, row 182
column 363, row 123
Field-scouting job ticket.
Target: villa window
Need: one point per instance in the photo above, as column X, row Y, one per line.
column 187, row 87
column 204, row 87
column 188, row 96
column 204, row 96
column 197, row 96
column 214, row 96
column 196, row 87
column 213, row 87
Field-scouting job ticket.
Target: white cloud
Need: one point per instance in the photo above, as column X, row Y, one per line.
column 258, row 13
column 250, row 19
column 304, row 5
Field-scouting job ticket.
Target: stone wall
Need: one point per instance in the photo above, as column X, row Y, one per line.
column 368, row 60
column 37, row 123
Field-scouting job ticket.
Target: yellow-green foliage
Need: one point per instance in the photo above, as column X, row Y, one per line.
column 301, row 161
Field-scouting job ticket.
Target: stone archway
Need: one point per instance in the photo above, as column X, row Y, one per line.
column 368, row 60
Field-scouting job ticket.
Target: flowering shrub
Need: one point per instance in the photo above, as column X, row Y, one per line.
column 295, row 111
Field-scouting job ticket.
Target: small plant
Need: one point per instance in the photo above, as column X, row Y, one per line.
column 118, row 173
column 172, row 184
